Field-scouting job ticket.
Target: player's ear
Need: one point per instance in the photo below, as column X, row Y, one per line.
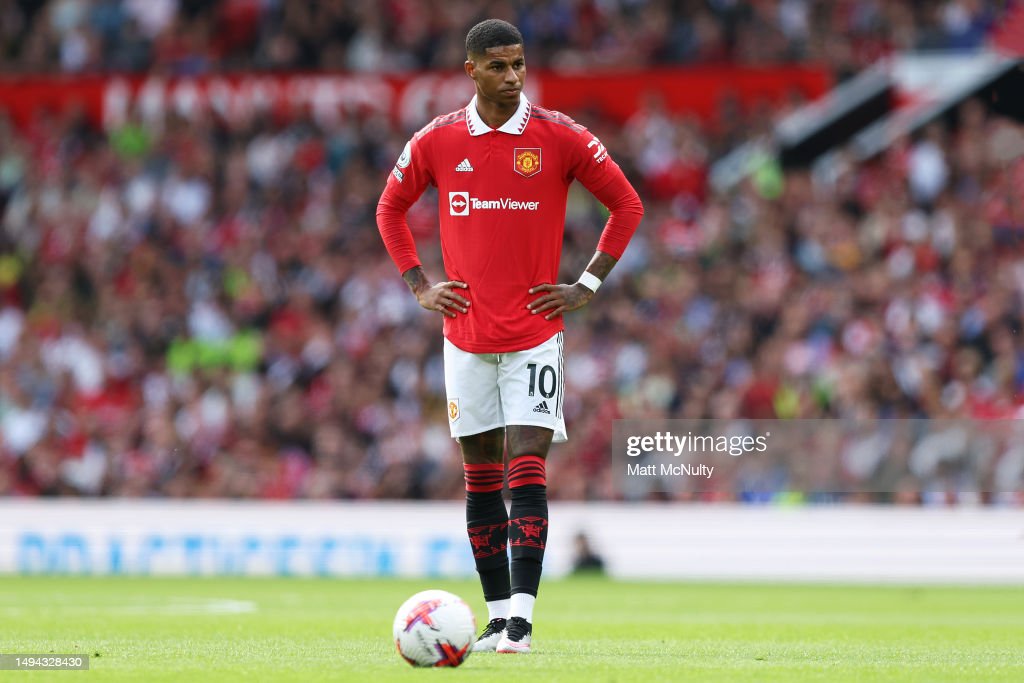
column 470, row 67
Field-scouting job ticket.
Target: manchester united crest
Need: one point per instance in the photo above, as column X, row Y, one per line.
column 527, row 161
column 453, row 409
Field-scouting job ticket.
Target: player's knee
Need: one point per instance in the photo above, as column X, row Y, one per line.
column 528, row 440
column 485, row 447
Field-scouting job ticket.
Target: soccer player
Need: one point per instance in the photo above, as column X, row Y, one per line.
column 502, row 167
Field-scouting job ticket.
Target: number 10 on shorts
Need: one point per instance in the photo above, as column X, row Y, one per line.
column 546, row 382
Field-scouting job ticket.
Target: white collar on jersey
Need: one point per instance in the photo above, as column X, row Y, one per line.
column 514, row 126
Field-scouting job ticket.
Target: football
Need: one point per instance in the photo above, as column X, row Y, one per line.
column 434, row 628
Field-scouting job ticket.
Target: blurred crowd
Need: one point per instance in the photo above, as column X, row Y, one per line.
column 202, row 36
column 205, row 308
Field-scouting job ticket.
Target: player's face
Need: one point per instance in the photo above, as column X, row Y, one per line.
column 499, row 74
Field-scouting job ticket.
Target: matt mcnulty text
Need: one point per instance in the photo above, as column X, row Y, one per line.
column 669, row 470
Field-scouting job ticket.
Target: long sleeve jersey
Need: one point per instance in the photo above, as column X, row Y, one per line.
column 501, row 202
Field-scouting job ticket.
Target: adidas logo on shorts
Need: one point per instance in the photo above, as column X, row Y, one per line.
column 542, row 407
column 464, row 167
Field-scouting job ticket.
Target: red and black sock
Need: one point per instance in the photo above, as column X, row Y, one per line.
column 487, row 524
column 528, row 521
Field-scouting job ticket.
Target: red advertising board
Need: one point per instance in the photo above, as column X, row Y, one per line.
column 411, row 99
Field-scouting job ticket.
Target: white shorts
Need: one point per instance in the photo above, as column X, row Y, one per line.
column 491, row 390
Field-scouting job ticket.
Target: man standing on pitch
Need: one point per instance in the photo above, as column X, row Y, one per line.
column 503, row 167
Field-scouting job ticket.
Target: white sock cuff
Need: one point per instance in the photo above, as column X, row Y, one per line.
column 498, row 609
column 522, row 606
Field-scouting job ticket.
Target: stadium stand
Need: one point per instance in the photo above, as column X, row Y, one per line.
column 197, row 36
column 203, row 307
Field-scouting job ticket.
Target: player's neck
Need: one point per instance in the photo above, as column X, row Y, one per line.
column 493, row 113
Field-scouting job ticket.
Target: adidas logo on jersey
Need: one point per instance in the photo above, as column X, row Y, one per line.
column 542, row 407
column 464, row 167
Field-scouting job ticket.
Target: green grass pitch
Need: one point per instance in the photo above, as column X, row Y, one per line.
column 592, row 630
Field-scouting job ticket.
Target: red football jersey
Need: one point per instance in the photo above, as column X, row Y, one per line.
column 501, row 195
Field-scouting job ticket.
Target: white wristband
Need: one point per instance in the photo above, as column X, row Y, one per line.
column 589, row 280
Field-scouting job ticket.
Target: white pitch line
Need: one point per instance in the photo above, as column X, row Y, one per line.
column 179, row 608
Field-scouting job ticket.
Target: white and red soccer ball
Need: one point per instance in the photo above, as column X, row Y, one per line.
column 434, row 628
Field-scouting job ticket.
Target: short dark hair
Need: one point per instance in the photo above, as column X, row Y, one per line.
column 491, row 33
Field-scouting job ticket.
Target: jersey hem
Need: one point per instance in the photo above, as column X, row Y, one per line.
column 529, row 343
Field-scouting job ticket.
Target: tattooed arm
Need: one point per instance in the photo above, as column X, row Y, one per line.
column 439, row 297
